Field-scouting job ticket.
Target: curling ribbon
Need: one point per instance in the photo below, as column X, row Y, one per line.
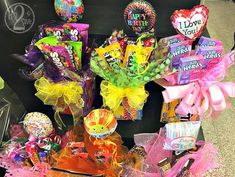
column 113, row 96
column 1, row 83
column 61, row 95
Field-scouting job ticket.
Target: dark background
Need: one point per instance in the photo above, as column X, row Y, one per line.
column 103, row 16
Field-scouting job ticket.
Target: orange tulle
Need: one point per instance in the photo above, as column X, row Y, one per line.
column 103, row 156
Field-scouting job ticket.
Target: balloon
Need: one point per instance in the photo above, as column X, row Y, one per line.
column 190, row 23
column 69, row 10
column 37, row 124
column 140, row 16
column 99, row 123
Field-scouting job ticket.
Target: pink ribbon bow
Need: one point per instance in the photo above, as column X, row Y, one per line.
column 204, row 94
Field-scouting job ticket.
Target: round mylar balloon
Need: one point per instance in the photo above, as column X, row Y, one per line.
column 190, row 23
column 37, row 124
column 69, row 10
column 140, row 16
column 99, row 123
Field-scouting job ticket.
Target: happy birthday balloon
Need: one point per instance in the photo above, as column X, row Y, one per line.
column 190, row 23
column 37, row 124
column 100, row 122
column 140, row 16
column 69, row 10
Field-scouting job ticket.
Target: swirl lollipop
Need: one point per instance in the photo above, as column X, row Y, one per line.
column 37, row 124
column 99, row 123
column 140, row 16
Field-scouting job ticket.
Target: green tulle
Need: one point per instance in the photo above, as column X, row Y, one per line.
column 123, row 77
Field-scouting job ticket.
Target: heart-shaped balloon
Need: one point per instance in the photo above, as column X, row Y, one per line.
column 190, row 23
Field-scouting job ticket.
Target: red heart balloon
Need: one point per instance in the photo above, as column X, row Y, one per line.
column 190, row 23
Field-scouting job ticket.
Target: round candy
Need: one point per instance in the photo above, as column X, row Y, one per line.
column 37, row 124
column 140, row 16
column 69, row 10
column 99, row 123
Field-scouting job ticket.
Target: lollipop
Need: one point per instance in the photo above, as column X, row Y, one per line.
column 140, row 16
column 37, row 124
column 69, row 10
column 99, row 123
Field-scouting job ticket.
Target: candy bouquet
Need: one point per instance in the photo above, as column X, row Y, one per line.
column 197, row 82
column 126, row 65
column 55, row 56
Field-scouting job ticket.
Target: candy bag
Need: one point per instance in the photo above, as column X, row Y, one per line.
column 56, row 30
column 75, row 52
column 190, row 68
column 111, row 54
column 76, row 32
column 181, row 136
column 58, row 55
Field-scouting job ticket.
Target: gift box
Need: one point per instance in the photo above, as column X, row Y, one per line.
column 125, row 112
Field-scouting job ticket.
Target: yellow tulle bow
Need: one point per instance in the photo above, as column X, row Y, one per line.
column 61, row 95
column 113, row 96
column 1, row 83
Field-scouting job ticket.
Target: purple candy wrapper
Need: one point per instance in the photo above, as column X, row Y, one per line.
column 190, row 68
column 179, row 50
column 57, row 31
column 76, row 32
column 212, row 55
column 58, row 55
column 208, row 42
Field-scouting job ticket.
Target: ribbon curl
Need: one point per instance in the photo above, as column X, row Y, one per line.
column 113, row 96
column 61, row 95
